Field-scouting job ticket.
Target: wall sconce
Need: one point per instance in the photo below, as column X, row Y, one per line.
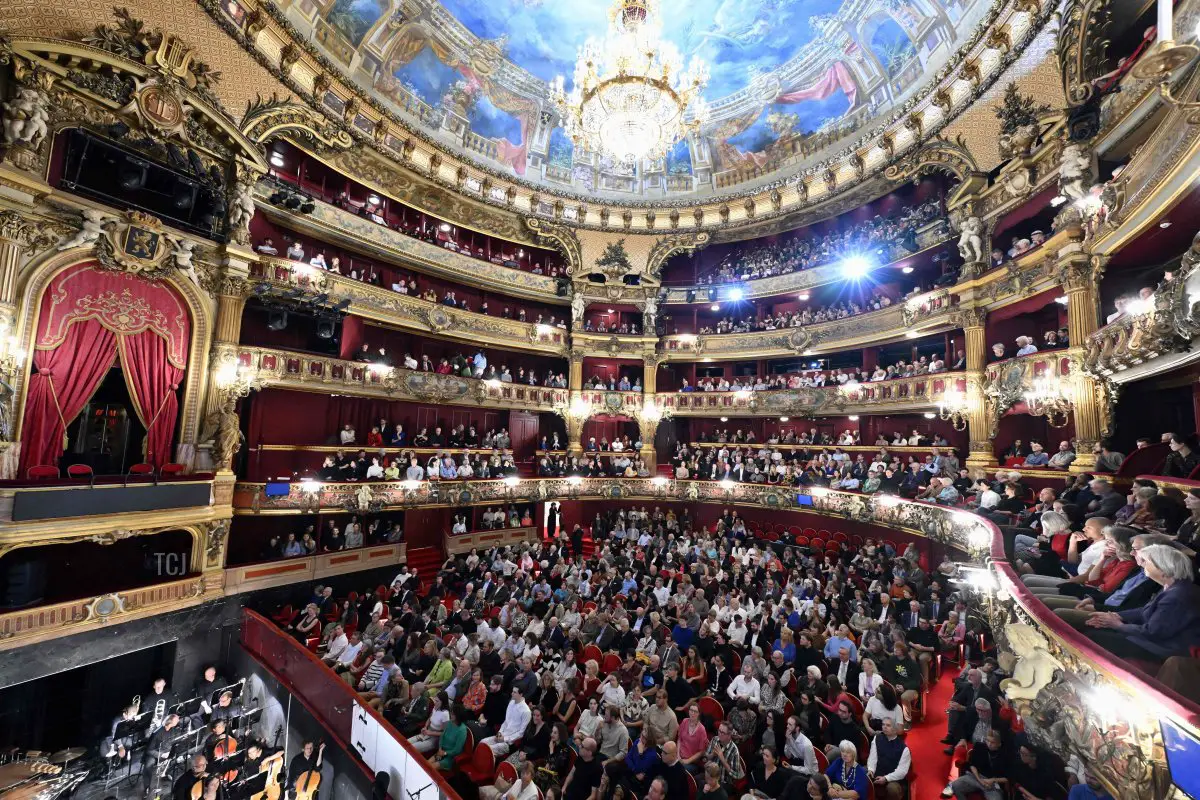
column 953, row 408
column 236, row 380
column 12, row 356
column 1047, row 399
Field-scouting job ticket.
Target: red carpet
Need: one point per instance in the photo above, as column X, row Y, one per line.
column 931, row 765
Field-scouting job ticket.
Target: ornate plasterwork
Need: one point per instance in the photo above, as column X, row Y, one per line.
column 1020, row 21
column 561, row 237
column 1082, row 45
column 267, row 119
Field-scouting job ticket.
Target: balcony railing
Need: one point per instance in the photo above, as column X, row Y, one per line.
column 919, row 392
column 282, row 572
column 483, row 540
column 931, row 312
column 406, row 311
column 1165, row 327
column 931, row 235
column 332, row 224
column 288, row 370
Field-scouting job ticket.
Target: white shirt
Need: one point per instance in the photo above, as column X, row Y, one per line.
column 741, row 686
column 346, row 436
column 336, row 646
column 989, row 499
column 1089, row 557
column 516, row 719
column 799, row 752
column 901, row 769
column 518, row 791
column 877, row 710
column 349, row 653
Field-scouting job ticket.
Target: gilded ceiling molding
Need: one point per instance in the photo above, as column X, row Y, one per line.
column 668, row 246
column 562, row 237
column 267, row 119
column 936, row 155
column 375, row 127
column 1082, row 46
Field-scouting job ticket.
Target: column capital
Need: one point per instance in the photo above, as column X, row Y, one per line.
column 967, row 318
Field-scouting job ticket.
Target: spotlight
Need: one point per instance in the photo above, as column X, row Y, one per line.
column 277, row 198
column 736, row 295
column 855, row 267
column 691, row 295
column 277, row 159
column 373, row 199
column 292, row 203
column 929, row 415
column 715, row 307
column 853, row 417
column 308, row 207
column 712, row 294
column 724, row 419
column 802, row 296
column 277, row 319
column 444, row 227
column 325, row 329
column 783, row 419
column 907, row 270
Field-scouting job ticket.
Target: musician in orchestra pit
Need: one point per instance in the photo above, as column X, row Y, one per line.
column 182, row 788
column 217, row 737
column 119, row 747
column 257, row 760
column 307, row 760
column 159, row 747
column 159, row 700
column 225, row 709
column 210, row 681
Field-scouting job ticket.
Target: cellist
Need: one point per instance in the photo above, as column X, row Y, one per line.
column 304, row 772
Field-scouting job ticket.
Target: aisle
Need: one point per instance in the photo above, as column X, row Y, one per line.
column 924, row 740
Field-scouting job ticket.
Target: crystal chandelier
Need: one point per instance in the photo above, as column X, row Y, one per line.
column 630, row 99
column 1048, row 399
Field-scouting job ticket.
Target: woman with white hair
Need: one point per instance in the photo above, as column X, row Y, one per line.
column 1052, row 522
column 847, row 778
column 1169, row 625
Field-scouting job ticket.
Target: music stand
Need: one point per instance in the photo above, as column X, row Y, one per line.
column 187, row 709
column 248, row 787
column 135, row 732
column 234, row 689
column 235, row 760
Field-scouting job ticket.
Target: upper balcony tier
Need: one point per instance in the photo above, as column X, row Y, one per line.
column 360, row 234
column 384, row 305
column 312, row 373
column 932, row 312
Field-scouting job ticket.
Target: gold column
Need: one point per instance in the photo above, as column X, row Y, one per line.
column 980, row 453
column 650, row 364
column 575, row 372
column 1080, row 276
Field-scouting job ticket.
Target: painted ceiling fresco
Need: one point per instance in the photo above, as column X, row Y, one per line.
column 788, row 77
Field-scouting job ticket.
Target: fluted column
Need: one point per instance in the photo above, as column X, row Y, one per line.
column 979, row 424
column 1080, row 277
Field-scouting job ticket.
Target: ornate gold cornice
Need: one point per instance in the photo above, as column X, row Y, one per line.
column 286, row 370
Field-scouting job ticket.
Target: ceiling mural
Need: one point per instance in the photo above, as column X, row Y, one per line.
column 788, row 79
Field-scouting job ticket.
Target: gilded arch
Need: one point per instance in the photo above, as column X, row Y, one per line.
column 272, row 118
column 37, row 276
column 937, row 155
column 1082, row 46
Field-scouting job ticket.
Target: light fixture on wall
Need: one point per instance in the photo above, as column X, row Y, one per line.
column 1047, row 398
column 953, row 408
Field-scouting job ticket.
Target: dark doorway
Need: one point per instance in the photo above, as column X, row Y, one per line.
column 107, row 436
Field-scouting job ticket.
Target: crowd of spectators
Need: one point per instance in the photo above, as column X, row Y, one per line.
column 896, row 233
column 614, row 383
column 463, row 366
column 332, row 538
column 405, row 284
column 845, row 376
column 1027, row 345
column 746, row 670
column 806, row 316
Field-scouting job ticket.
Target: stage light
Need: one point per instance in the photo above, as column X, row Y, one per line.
column 802, row 296
column 691, row 295
column 907, row 270
column 724, row 419
column 308, row 207
column 277, row 319
column 855, row 267
column 853, row 417
column 132, row 176
column 292, row 202
column 659, row 481
column 736, row 295
column 911, row 334
column 712, row 294
column 511, row 481
column 277, row 159
column 929, row 415
column 325, row 329
column 715, row 307
column 373, row 199
column 783, row 419
column 444, row 227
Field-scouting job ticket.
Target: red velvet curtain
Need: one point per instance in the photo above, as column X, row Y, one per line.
column 153, row 382
column 63, row 380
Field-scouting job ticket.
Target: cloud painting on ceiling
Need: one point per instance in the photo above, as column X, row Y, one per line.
column 789, row 78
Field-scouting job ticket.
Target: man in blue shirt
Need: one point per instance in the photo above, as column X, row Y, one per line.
column 842, row 639
column 1038, row 458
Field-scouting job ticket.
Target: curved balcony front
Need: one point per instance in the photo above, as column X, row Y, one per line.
column 931, row 312
column 334, row 225
column 389, row 307
column 310, row 373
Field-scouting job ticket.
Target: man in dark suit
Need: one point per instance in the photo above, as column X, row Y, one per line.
column 936, row 609
column 911, row 618
column 1106, row 503
column 555, row 635
column 719, row 676
column 967, row 689
column 606, row 635
column 845, row 670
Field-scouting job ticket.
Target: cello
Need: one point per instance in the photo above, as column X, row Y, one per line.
column 271, row 765
column 224, row 747
column 308, row 782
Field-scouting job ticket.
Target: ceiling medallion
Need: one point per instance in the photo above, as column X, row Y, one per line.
column 631, row 97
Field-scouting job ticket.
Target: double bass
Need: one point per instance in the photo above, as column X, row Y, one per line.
column 271, row 765
column 308, row 782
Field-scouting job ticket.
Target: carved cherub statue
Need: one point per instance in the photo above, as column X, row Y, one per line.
column 183, row 253
column 26, row 118
column 241, row 210
column 970, row 240
column 649, row 315
column 1035, row 666
column 89, row 231
column 578, row 304
column 1074, row 172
